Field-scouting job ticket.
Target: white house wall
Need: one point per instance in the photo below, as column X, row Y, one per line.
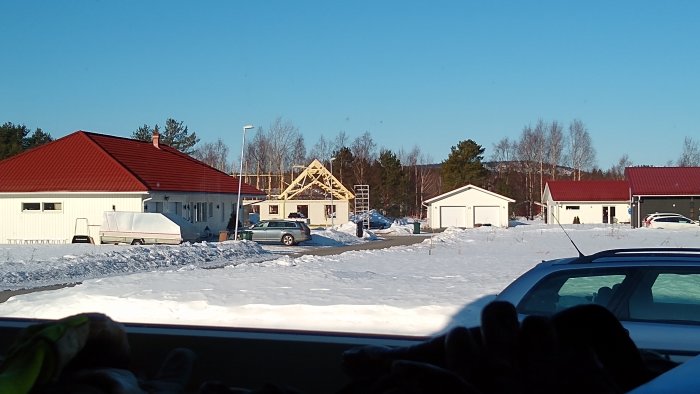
column 317, row 210
column 218, row 211
column 83, row 211
column 469, row 198
column 587, row 212
column 86, row 209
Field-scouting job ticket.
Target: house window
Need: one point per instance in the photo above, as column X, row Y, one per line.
column 211, row 209
column 200, row 211
column 573, row 207
column 274, row 210
column 330, row 210
column 31, row 206
column 52, row 206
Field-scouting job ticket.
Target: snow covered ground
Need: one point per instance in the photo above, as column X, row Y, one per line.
column 417, row 290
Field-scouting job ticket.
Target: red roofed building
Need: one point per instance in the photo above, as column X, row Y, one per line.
column 604, row 201
column 664, row 189
column 60, row 189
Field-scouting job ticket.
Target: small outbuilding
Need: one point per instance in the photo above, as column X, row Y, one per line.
column 469, row 206
column 589, row 202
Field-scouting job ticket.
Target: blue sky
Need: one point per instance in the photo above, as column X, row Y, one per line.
column 426, row 73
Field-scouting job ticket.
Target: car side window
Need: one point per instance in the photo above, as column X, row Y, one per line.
column 588, row 289
column 672, row 297
column 566, row 289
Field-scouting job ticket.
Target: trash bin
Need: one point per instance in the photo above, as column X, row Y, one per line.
column 223, row 235
column 247, row 235
column 416, row 227
column 359, row 229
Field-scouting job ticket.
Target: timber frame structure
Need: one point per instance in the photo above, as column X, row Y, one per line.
column 317, row 176
column 316, row 193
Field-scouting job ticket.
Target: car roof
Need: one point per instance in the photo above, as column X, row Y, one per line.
column 633, row 256
column 656, row 214
column 669, row 216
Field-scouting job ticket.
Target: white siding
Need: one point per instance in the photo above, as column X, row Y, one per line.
column 587, row 212
column 316, row 208
column 60, row 226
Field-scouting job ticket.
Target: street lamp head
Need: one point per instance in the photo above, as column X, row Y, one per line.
column 248, row 127
column 331, row 159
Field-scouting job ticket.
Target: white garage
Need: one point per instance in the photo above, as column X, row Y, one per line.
column 468, row 206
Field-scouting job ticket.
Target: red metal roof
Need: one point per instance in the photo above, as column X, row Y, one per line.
column 89, row 162
column 664, row 181
column 604, row 190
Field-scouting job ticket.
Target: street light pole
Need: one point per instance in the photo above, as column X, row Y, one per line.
column 240, row 181
column 332, row 207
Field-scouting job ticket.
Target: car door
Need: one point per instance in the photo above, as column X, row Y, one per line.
column 664, row 311
column 274, row 231
column 259, row 231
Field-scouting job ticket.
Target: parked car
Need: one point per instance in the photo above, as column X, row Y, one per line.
column 298, row 216
column 673, row 222
column 654, row 292
column 651, row 216
column 289, row 232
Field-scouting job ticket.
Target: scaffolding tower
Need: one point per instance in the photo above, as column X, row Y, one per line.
column 362, row 203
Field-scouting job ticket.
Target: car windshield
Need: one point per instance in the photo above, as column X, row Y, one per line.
column 162, row 161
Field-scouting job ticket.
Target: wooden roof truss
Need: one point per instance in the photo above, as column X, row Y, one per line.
column 316, row 176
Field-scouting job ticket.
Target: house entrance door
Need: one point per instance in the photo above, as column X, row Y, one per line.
column 609, row 215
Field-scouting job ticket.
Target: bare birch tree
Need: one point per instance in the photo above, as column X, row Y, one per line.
column 690, row 157
column 409, row 160
column 618, row 170
column 539, row 139
column 503, row 158
column 581, row 152
column 428, row 180
column 214, row 154
column 555, row 147
column 257, row 158
column 322, row 150
column 274, row 151
column 363, row 149
column 527, row 158
column 341, row 141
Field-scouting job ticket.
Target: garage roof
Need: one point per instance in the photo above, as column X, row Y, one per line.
column 463, row 189
column 664, row 181
column 90, row 162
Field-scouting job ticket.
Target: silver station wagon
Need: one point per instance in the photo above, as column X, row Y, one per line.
column 288, row 232
column 654, row 292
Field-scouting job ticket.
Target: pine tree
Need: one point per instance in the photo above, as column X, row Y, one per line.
column 464, row 166
column 175, row 135
column 12, row 139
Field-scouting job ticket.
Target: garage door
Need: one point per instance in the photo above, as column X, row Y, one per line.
column 487, row 215
column 453, row 216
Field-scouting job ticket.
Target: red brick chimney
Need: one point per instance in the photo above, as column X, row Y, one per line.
column 156, row 138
